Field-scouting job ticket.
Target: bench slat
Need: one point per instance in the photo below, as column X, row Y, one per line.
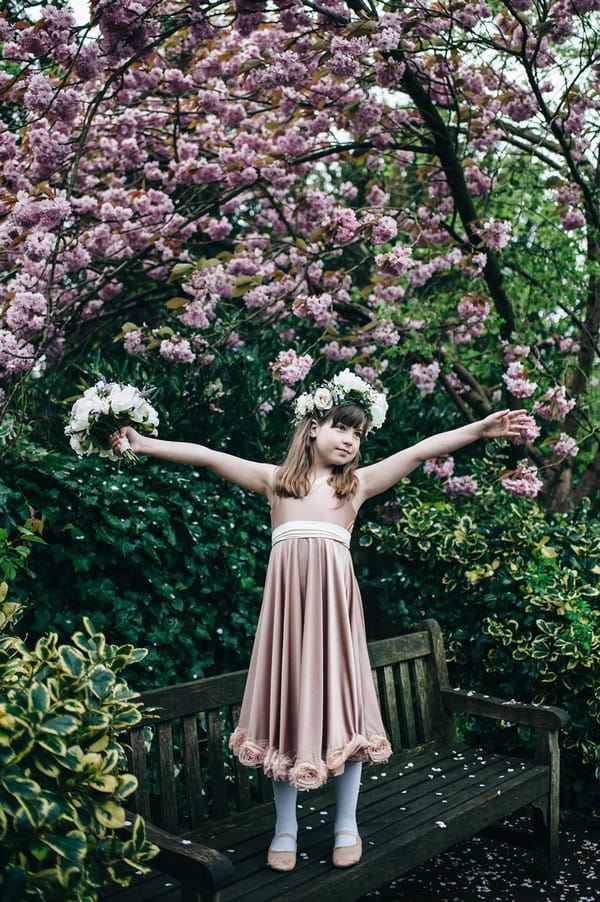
column 390, row 707
column 216, row 763
column 166, row 778
column 399, row 648
column 406, row 705
column 139, row 766
column 192, row 772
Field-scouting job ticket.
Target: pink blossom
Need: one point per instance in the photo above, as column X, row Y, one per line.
column 529, row 434
column 425, row 376
column 346, row 225
column 38, row 95
column 176, row 350
column 517, row 352
column 291, row 367
column 473, row 307
column 334, row 351
column 440, row 468
column 397, row 262
column 554, row 404
column 15, row 356
column 460, row 486
column 316, row 307
column 564, row 446
column 455, row 383
column 572, row 219
column 516, row 381
column 478, row 182
column 495, row 233
column 568, row 345
column 377, row 197
column 385, row 334
column 524, row 481
column 384, row 230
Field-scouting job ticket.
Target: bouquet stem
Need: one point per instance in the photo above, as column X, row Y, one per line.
column 125, row 450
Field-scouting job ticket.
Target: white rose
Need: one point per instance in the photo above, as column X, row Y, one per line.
column 379, row 409
column 76, row 445
column 304, row 404
column 350, row 382
column 322, row 399
column 123, row 398
column 80, row 414
column 144, row 413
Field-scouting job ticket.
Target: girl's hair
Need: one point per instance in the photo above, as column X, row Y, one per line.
column 292, row 479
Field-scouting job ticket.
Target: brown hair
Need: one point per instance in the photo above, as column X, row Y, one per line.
column 292, row 479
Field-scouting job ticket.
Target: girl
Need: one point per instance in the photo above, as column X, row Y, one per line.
column 309, row 710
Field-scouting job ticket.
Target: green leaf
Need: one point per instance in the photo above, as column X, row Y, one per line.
column 72, row 846
column 71, row 660
column 21, row 787
column 40, row 697
column 62, row 725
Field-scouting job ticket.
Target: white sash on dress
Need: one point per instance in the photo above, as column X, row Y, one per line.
column 310, row 529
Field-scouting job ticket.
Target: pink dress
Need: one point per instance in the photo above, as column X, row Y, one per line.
column 310, row 703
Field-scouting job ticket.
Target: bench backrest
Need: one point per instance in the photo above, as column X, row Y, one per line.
column 180, row 755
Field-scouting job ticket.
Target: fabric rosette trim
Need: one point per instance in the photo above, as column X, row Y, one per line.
column 307, row 775
column 101, row 412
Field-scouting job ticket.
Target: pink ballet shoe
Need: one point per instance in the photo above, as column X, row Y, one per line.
column 346, row 856
column 282, row 861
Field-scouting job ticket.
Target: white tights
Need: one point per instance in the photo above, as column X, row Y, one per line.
column 347, row 787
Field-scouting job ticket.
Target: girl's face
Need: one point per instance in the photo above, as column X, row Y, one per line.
column 335, row 445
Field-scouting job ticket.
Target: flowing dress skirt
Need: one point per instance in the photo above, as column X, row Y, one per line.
column 310, row 703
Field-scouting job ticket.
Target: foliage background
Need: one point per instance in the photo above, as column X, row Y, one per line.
column 193, row 170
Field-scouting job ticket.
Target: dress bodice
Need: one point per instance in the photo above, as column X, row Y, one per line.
column 319, row 506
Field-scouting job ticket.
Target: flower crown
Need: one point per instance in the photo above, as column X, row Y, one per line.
column 346, row 386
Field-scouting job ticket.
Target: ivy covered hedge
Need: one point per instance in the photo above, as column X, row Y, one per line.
column 157, row 556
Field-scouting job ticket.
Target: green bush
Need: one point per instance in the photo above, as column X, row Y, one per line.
column 61, row 793
column 163, row 557
column 516, row 592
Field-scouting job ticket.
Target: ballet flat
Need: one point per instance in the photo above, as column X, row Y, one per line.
column 346, row 856
column 282, row 861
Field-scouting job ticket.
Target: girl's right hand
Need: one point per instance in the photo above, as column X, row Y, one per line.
column 125, row 432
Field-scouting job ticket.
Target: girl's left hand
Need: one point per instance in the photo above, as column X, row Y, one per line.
column 505, row 423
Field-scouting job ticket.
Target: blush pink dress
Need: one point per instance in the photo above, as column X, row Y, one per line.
column 310, row 703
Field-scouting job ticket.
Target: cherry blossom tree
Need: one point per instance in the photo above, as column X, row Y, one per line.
column 409, row 189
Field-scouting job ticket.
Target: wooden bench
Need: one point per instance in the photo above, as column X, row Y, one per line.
column 213, row 819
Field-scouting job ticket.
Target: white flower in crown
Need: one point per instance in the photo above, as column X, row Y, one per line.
column 322, row 399
column 379, row 409
column 349, row 381
column 303, row 404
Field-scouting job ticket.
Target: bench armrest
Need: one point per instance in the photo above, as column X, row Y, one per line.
column 189, row 862
column 538, row 716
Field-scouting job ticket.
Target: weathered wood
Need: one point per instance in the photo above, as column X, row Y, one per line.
column 166, row 777
column 430, row 795
column 192, row 770
column 137, row 751
column 547, row 811
column 544, row 717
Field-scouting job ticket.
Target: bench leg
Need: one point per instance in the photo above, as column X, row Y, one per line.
column 546, row 853
column 546, row 813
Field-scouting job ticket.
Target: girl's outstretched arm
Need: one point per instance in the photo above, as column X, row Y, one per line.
column 248, row 474
column 385, row 473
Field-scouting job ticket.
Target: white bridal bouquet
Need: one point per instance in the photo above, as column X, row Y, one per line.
column 103, row 410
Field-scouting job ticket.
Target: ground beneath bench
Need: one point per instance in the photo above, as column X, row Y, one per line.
column 483, row 869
